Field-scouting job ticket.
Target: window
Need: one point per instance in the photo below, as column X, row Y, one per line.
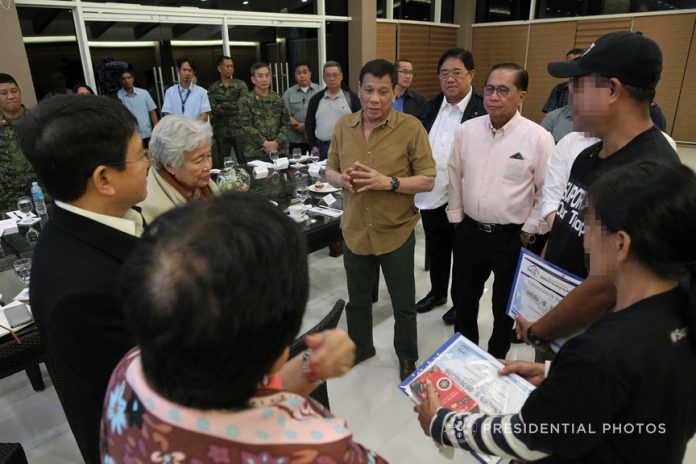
column 269, row 6
column 447, row 11
column 502, row 10
column 336, row 7
column 414, row 10
column 571, row 8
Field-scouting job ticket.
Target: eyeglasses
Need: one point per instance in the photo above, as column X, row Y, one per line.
column 146, row 157
column 332, row 76
column 408, row 72
column 455, row 73
column 501, row 90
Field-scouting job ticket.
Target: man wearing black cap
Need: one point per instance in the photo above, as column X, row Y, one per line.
column 611, row 87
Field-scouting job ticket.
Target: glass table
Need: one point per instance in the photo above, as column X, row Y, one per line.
column 279, row 186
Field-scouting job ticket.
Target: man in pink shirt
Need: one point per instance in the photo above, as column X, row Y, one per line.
column 496, row 177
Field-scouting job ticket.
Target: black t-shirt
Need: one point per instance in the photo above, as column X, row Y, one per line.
column 632, row 367
column 564, row 247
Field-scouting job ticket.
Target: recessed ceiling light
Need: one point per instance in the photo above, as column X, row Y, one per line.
column 245, row 2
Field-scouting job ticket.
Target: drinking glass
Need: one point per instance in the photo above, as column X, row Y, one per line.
column 296, row 154
column 274, row 157
column 22, row 268
column 24, row 205
column 314, row 156
column 302, row 194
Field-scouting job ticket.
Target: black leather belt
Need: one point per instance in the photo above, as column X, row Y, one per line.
column 491, row 228
column 322, row 142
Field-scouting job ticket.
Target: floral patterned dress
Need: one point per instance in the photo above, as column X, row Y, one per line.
column 279, row 427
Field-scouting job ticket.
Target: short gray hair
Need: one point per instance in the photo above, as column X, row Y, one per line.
column 173, row 136
column 332, row 64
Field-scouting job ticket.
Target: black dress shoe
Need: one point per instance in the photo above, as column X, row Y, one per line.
column 450, row 316
column 361, row 356
column 406, row 368
column 428, row 303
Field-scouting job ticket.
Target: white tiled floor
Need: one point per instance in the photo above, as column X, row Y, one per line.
column 379, row 415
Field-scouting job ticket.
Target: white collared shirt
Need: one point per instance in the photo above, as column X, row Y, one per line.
column 131, row 224
column 441, row 136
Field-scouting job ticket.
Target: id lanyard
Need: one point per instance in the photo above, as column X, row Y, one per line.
column 183, row 100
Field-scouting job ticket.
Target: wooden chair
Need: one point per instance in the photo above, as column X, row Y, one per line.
column 330, row 321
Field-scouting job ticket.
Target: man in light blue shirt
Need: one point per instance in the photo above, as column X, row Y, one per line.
column 140, row 103
column 186, row 97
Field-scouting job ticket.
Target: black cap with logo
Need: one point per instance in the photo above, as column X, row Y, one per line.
column 630, row 57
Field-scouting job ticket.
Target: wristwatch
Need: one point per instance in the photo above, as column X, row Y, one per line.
column 395, row 184
column 533, row 339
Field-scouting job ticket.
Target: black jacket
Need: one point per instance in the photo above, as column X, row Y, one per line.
column 428, row 113
column 311, row 118
column 413, row 102
column 77, row 308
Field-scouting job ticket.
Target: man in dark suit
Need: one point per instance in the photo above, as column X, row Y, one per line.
column 441, row 116
column 407, row 100
column 88, row 155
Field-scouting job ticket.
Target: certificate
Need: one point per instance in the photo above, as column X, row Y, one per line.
column 538, row 287
column 466, row 379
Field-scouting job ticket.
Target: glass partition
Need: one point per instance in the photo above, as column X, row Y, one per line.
column 52, row 50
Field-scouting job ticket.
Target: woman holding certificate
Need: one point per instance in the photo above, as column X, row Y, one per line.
column 625, row 390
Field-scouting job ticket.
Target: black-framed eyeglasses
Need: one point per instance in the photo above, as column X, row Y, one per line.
column 332, row 76
column 146, row 157
column 501, row 90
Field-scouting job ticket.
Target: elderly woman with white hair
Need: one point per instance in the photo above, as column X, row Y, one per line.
column 180, row 150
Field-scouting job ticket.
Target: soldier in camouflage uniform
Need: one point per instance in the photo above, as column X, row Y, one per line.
column 224, row 99
column 16, row 174
column 263, row 116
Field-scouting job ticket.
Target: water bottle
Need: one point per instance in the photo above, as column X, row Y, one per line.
column 39, row 204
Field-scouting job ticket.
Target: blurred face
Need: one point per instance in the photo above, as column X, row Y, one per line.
column 127, row 81
column 589, row 100
column 333, row 78
column 303, row 76
column 501, row 97
column 226, row 69
column 405, row 72
column 600, row 247
column 131, row 183
column 185, row 73
column 83, row 91
column 455, row 79
column 10, row 98
column 195, row 172
column 262, row 79
column 376, row 96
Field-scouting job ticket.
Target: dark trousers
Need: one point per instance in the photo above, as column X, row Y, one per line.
column 397, row 267
column 302, row 146
column 439, row 237
column 476, row 254
column 222, row 148
column 324, row 150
